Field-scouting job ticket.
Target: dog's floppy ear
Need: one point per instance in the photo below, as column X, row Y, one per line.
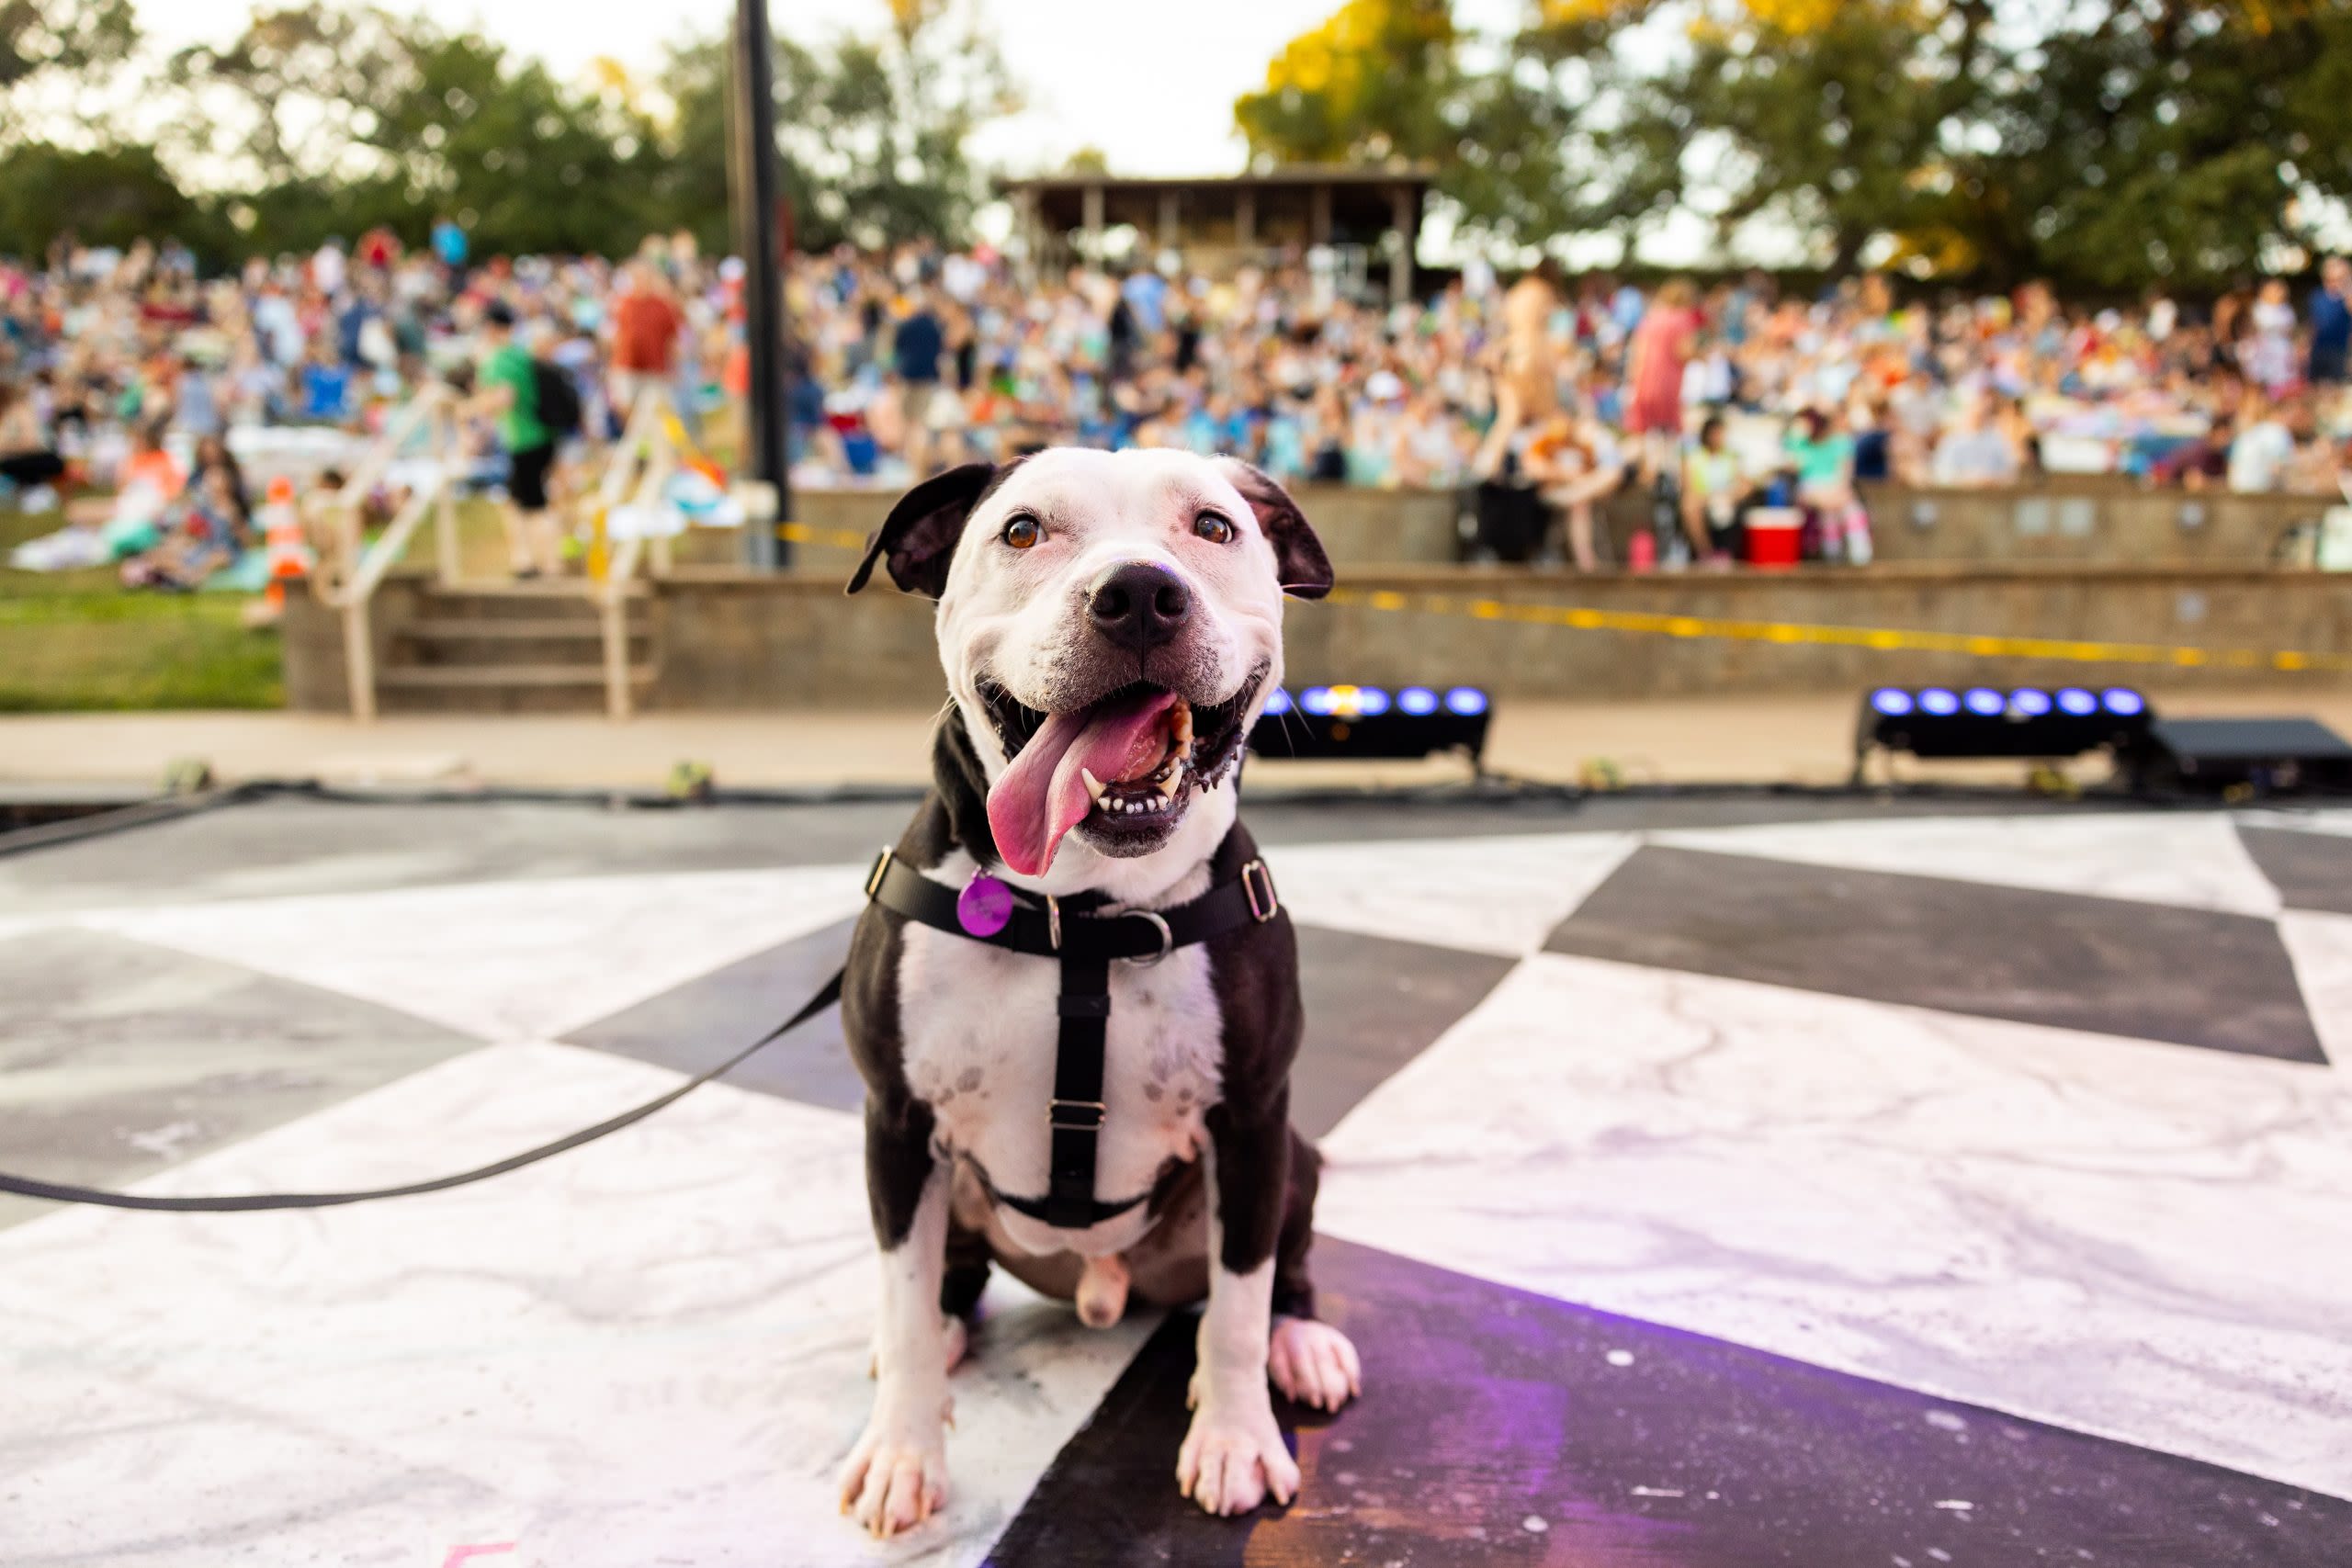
column 920, row 534
column 1298, row 554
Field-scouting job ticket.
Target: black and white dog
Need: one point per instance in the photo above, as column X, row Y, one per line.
column 1111, row 626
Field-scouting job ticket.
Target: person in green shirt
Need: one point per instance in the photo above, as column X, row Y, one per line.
column 1714, row 488
column 507, row 386
column 1822, row 458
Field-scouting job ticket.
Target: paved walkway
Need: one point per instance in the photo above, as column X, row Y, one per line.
column 1805, row 740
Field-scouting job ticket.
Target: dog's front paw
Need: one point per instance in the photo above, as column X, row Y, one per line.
column 1313, row 1363
column 1233, row 1456
column 896, row 1477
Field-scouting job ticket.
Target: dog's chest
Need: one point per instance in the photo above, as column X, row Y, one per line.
column 980, row 1030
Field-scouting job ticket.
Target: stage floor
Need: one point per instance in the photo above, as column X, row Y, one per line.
column 1712, row 1183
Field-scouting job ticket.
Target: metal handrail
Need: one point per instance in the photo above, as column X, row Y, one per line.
column 625, row 483
column 369, row 566
column 625, row 480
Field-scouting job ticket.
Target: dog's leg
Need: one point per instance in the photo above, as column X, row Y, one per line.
column 959, row 1290
column 1310, row 1360
column 897, row 1475
column 1234, row 1454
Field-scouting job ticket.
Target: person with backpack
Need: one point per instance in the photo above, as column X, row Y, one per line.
column 537, row 407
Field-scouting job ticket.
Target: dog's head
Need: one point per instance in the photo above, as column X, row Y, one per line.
column 1111, row 625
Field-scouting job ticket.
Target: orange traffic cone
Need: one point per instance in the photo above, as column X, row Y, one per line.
column 289, row 555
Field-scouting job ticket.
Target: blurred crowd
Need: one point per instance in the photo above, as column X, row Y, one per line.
column 920, row 358
column 162, row 398
column 127, row 372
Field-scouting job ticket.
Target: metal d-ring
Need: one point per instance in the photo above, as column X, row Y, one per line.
column 1167, row 937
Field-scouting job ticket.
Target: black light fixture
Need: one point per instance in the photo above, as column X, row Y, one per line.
column 2002, row 721
column 1343, row 721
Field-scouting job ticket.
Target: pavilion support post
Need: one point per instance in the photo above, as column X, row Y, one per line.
column 1031, row 230
column 1091, row 223
column 1400, row 262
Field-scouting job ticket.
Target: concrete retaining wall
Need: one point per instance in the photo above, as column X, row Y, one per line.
column 2094, row 519
column 731, row 641
column 2082, row 520
column 724, row 639
column 311, row 636
column 1357, row 525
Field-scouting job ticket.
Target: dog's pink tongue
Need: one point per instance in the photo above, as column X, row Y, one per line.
column 1041, row 795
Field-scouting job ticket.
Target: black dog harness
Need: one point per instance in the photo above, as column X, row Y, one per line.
column 1085, row 932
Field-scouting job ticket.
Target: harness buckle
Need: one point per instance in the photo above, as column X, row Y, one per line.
column 1086, row 1114
column 1167, row 937
column 881, row 869
column 1263, row 906
column 1054, row 922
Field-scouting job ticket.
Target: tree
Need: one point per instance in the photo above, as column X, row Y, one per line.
column 2171, row 142
column 1833, row 119
column 340, row 119
column 110, row 195
column 1387, row 79
column 1374, row 81
column 2099, row 144
column 870, row 132
column 45, row 38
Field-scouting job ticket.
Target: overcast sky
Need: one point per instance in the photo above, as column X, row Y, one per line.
column 1151, row 85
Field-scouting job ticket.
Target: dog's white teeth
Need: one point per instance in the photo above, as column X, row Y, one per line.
column 1093, row 786
column 1184, row 725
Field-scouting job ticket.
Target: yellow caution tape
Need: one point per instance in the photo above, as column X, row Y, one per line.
column 802, row 534
column 1880, row 639
column 1883, row 639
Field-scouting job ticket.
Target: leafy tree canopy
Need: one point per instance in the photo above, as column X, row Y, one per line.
column 2104, row 144
column 320, row 120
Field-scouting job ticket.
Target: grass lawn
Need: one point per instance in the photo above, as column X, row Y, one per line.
column 77, row 639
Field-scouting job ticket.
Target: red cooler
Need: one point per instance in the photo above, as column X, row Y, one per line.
column 1773, row 533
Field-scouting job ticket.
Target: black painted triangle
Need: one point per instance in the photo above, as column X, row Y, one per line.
column 2311, row 870
column 2113, row 966
column 1500, row 1428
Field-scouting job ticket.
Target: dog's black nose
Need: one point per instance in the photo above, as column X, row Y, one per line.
column 1137, row 604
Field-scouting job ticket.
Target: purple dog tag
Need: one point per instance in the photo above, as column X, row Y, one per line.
column 985, row 906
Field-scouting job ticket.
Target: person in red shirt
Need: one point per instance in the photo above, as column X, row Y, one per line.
column 645, row 323
column 380, row 247
column 1662, row 345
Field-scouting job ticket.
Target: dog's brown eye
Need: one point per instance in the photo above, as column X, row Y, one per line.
column 1022, row 532
column 1216, row 529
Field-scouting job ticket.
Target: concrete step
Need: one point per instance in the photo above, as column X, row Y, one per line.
column 564, row 600
column 571, row 686
column 538, row 640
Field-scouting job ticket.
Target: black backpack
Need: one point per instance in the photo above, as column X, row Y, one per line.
column 558, row 399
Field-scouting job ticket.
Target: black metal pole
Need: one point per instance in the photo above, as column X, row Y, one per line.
column 765, row 456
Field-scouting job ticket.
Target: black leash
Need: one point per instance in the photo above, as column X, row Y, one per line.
column 1080, row 931
column 60, row 1193
column 1085, row 935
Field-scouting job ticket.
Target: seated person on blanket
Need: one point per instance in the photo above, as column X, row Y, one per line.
column 210, row 526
